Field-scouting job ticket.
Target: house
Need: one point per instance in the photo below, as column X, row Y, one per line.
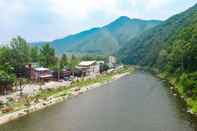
column 38, row 73
column 41, row 74
column 89, row 67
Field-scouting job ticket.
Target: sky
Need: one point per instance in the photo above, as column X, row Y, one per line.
column 45, row 20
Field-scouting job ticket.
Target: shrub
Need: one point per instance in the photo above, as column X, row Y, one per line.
column 184, row 81
column 188, row 83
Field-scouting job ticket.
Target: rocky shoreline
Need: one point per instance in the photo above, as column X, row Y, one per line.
column 174, row 88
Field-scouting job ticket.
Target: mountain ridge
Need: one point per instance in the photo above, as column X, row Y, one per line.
column 102, row 40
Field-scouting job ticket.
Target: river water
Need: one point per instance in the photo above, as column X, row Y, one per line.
column 139, row 102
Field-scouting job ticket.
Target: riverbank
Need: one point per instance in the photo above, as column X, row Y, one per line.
column 46, row 98
column 175, row 85
column 179, row 89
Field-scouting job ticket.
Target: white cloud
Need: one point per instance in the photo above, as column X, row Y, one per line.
column 50, row 19
column 84, row 8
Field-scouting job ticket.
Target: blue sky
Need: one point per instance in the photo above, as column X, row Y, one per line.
column 40, row 20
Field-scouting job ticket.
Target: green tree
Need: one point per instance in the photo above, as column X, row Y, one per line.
column 162, row 59
column 6, row 81
column 35, row 54
column 20, row 54
column 5, row 60
column 47, row 56
column 73, row 62
column 63, row 61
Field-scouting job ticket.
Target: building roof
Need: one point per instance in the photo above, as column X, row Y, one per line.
column 41, row 69
column 86, row 63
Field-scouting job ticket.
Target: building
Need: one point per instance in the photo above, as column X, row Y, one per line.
column 41, row 74
column 112, row 61
column 89, row 67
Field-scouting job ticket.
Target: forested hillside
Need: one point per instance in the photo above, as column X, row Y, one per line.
column 145, row 48
column 103, row 40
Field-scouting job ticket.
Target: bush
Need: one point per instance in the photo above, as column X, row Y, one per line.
column 184, row 81
column 188, row 83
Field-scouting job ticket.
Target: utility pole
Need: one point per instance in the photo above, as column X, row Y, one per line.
column 20, row 87
column 182, row 64
column 58, row 70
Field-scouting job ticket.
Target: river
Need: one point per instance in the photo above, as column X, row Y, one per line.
column 139, row 102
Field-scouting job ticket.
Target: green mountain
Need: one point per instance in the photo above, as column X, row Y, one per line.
column 170, row 45
column 104, row 40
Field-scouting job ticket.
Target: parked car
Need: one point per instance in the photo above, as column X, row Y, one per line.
column 67, row 78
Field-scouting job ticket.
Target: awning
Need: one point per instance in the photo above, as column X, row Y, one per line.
column 46, row 76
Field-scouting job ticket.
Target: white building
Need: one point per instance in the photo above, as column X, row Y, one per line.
column 112, row 60
column 89, row 67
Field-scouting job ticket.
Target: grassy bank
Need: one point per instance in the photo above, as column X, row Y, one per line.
column 185, row 85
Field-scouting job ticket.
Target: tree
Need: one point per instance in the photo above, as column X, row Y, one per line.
column 93, row 57
column 63, row 61
column 19, row 54
column 162, row 59
column 103, row 67
column 6, row 80
column 34, row 54
column 5, row 60
column 57, row 68
column 47, row 56
column 73, row 62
